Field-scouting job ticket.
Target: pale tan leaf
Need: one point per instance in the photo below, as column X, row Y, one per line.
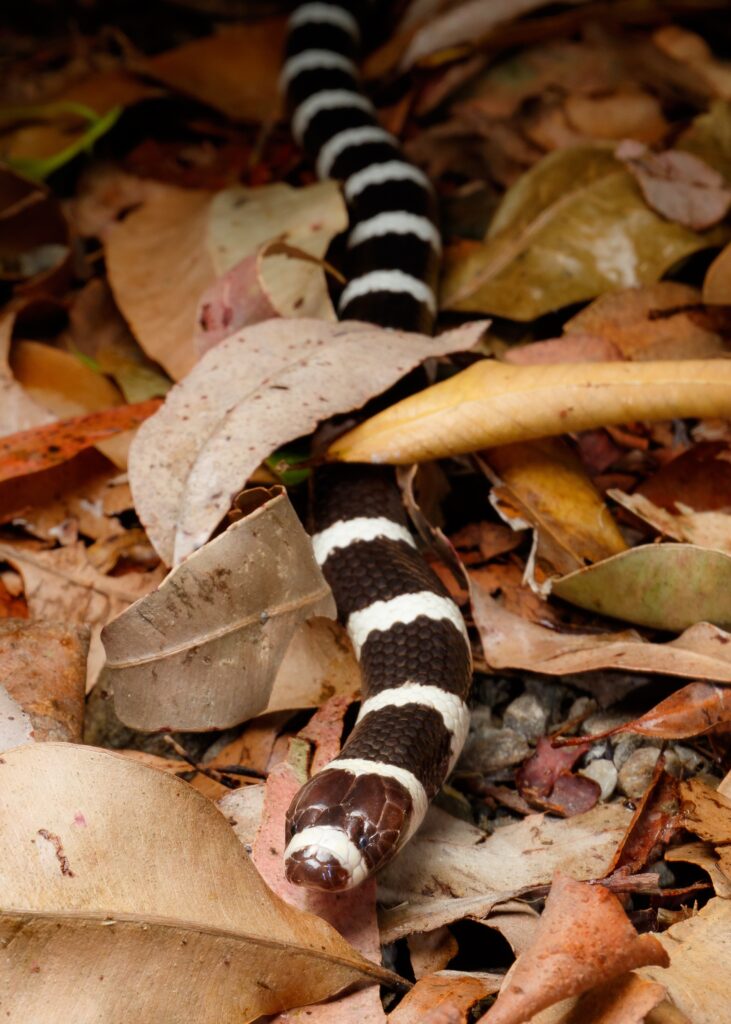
column 318, row 664
column 115, row 871
column 478, row 871
column 625, row 1000
column 44, row 669
column 494, row 403
column 510, row 641
column 431, row 951
column 62, row 585
column 165, row 255
column 700, row 953
column 261, row 387
column 717, row 285
column 18, row 410
column 706, row 529
column 203, row 651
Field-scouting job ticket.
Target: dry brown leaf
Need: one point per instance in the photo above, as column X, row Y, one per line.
column 548, row 485
column 626, row 114
column 174, row 903
column 451, row 870
column 318, row 664
column 706, row 529
column 699, row 949
column 61, row 585
column 446, row 997
column 703, row 856
column 431, row 951
column 258, row 389
column 178, row 657
column 717, row 284
column 509, row 641
column 165, row 254
column 678, row 185
column 574, row 348
column 629, row 320
column 584, row 939
column 493, row 403
column 692, row 50
column 18, row 411
column 235, row 70
column 705, row 812
column 44, row 669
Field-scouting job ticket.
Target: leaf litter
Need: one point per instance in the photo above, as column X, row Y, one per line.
column 581, row 519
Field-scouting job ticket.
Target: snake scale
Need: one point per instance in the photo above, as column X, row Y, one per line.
column 355, row 814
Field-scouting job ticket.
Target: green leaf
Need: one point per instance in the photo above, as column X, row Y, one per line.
column 664, row 586
column 574, row 227
column 283, row 464
column 38, row 169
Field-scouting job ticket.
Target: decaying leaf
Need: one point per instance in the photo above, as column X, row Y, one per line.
column 236, row 407
column 44, row 669
column 174, row 903
column 211, row 638
column 717, row 285
column 664, row 586
column 62, row 585
column 584, row 939
column 494, row 403
column 42, row 447
column 510, row 641
column 165, row 254
column 319, row 663
column 547, row 484
column 572, row 227
column 449, row 856
column 18, row 411
column 699, row 951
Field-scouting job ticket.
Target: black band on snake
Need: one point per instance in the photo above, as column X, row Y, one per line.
column 353, row 816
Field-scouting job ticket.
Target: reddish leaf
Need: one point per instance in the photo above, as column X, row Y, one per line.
column 652, row 824
column 30, row 451
column 546, row 780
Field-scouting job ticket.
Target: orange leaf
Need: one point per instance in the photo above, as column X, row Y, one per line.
column 30, row 451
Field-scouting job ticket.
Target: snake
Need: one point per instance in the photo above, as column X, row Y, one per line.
column 356, row 813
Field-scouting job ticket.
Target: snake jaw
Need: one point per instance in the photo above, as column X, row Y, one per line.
column 323, row 857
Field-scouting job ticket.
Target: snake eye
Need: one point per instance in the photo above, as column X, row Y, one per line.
column 362, row 842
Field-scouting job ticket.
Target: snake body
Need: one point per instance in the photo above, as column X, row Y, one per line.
column 355, row 814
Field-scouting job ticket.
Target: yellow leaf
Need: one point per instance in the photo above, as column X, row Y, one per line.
column 494, row 403
column 550, row 488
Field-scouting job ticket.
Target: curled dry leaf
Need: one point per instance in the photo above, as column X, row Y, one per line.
column 510, row 641
column 165, row 254
column 697, row 976
column 717, row 284
column 625, row 1000
column 493, row 403
column 705, row 812
column 258, row 389
column 175, row 904
column 653, row 824
column 584, row 939
column 679, row 186
column 663, row 586
column 651, row 322
column 448, row 855
column 445, row 997
column 705, row 529
column 319, row 663
column 552, row 230
column 44, row 669
column 551, row 490
column 202, row 651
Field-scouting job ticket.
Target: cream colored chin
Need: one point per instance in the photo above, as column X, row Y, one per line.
column 325, row 843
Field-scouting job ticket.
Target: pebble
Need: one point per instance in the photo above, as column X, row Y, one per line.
column 636, row 773
column 580, row 707
column 603, row 721
column 527, row 715
column 691, row 761
column 604, row 774
column 492, row 749
column 624, row 746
